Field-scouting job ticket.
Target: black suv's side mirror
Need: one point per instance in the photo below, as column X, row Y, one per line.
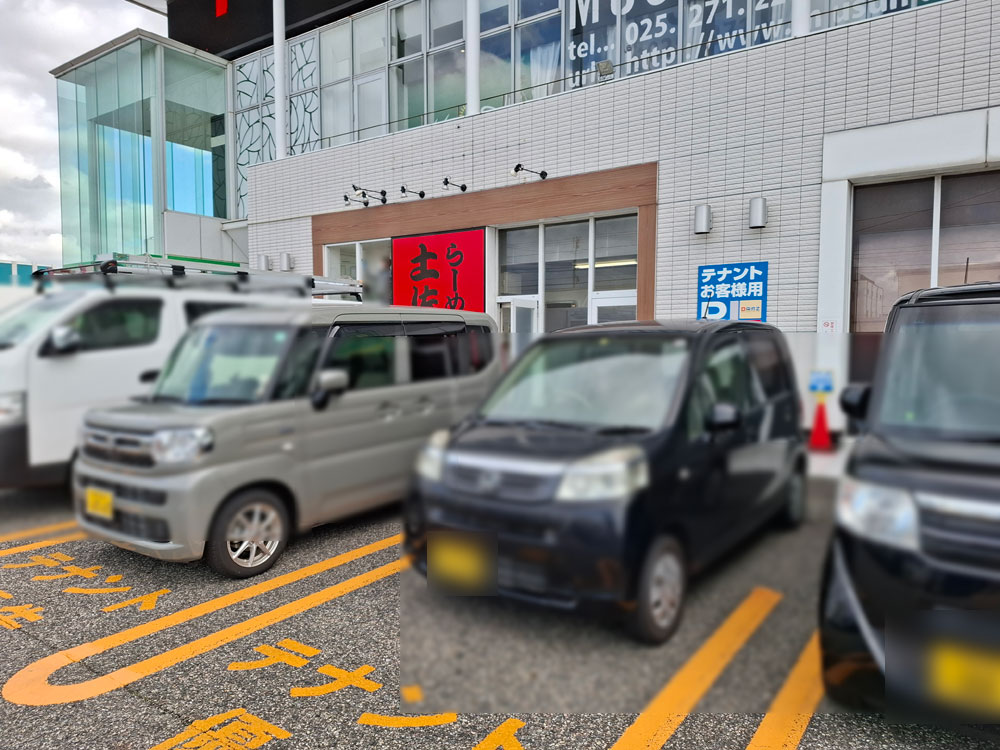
column 63, row 340
column 149, row 376
column 854, row 400
column 329, row 383
column 724, row 416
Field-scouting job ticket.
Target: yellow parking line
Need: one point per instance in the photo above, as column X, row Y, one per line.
column 657, row 723
column 433, row 720
column 30, row 686
column 792, row 709
column 43, row 544
column 37, row 531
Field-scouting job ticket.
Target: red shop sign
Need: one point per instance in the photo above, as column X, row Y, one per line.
column 440, row 270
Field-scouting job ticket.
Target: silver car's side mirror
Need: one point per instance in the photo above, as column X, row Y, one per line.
column 329, row 383
column 64, row 340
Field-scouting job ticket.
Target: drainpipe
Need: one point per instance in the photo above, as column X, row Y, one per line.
column 280, row 82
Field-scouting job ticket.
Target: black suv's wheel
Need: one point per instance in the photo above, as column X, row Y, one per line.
column 660, row 593
column 793, row 514
column 249, row 534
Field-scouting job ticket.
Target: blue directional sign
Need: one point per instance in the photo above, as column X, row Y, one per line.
column 733, row 291
column 821, row 381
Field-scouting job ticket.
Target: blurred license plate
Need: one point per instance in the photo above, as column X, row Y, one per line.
column 459, row 562
column 100, row 503
column 965, row 677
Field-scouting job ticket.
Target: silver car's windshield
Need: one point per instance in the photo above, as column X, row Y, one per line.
column 594, row 382
column 941, row 379
column 22, row 321
column 223, row 364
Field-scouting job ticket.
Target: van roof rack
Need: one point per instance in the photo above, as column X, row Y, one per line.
column 114, row 273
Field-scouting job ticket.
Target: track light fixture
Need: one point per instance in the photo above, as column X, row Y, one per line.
column 348, row 200
column 361, row 192
column 521, row 168
column 404, row 191
column 447, row 182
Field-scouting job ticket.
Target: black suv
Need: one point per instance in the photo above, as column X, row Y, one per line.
column 610, row 463
column 912, row 580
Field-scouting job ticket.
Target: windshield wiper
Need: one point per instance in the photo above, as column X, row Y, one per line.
column 537, row 423
column 622, row 430
column 158, row 398
column 217, row 401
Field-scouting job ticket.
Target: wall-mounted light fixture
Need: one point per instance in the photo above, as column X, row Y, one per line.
column 348, row 200
column 404, row 191
column 361, row 192
column 605, row 70
column 702, row 219
column 287, row 262
column 263, row 263
column 448, row 182
column 758, row 213
column 521, row 168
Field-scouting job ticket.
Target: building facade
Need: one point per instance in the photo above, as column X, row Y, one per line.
column 864, row 125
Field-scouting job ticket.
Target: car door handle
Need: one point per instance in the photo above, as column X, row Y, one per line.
column 425, row 405
column 389, row 411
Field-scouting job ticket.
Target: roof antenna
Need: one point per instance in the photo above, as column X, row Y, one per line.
column 966, row 270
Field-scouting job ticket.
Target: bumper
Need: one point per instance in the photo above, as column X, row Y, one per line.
column 552, row 554
column 882, row 613
column 17, row 472
column 165, row 517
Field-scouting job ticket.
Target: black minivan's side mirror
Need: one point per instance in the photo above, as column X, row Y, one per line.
column 854, row 400
column 63, row 340
column 329, row 383
column 724, row 416
column 149, row 376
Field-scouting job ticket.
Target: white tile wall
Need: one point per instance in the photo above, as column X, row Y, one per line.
column 722, row 130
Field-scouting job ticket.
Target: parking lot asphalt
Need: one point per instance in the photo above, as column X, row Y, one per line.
column 114, row 650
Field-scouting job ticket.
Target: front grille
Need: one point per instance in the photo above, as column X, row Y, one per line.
column 118, row 446
column 503, row 484
column 125, row 491
column 960, row 539
column 471, row 520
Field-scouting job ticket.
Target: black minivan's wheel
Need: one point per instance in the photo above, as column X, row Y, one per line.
column 660, row 593
column 249, row 534
column 793, row 514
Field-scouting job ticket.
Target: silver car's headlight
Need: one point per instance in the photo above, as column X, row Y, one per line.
column 613, row 474
column 12, row 407
column 879, row 513
column 430, row 462
column 180, row 446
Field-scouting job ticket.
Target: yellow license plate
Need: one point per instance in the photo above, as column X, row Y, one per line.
column 965, row 677
column 100, row 503
column 457, row 561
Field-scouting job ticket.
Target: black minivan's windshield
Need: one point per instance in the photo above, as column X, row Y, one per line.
column 223, row 364
column 593, row 381
column 942, row 374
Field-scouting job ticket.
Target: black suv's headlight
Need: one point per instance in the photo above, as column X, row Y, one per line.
column 879, row 513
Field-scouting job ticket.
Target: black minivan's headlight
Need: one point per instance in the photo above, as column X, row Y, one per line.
column 613, row 474
column 879, row 513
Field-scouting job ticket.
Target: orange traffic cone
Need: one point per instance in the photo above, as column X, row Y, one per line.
column 820, row 439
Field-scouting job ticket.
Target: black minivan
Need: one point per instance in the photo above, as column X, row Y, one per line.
column 911, row 587
column 612, row 462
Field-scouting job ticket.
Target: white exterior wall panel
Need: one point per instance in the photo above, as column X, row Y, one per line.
column 722, row 130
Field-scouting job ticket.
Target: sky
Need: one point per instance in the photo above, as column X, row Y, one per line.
column 35, row 37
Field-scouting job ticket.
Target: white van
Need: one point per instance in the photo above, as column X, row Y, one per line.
column 91, row 343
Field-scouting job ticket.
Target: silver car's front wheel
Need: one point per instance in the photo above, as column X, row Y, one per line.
column 249, row 533
column 254, row 535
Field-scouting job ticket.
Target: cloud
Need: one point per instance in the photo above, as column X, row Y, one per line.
column 35, row 37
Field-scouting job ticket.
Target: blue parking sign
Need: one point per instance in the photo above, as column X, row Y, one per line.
column 733, row 291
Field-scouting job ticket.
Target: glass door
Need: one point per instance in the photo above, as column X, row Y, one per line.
column 612, row 307
column 520, row 321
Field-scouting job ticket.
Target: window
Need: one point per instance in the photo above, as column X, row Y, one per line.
column 539, row 58
column 616, row 252
column 519, row 261
column 970, row 229
column 446, row 21
column 300, row 363
column 529, row 8
column 651, row 36
column 407, row 23
column 335, row 102
column 494, row 70
column 712, row 27
column 335, row 53
column 434, row 349
column 480, row 340
column 446, row 70
column 767, row 362
column 493, row 14
column 369, row 42
column 367, row 352
column 118, row 324
column 194, row 310
column 370, row 100
column 406, row 95
column 726, row 375
column 566, row 269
